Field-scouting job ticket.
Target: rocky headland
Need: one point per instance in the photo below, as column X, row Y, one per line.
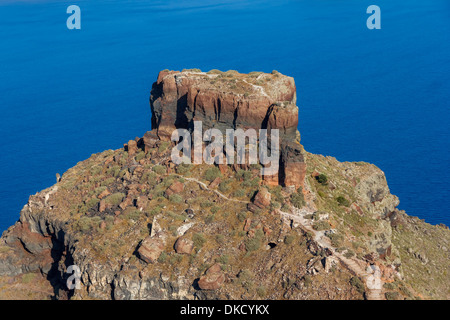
column 141, row 227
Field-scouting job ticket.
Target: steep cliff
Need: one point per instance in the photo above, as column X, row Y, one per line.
column 140, row 227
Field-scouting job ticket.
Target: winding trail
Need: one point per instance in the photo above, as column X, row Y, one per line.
column 213, row 190
column 371, row 275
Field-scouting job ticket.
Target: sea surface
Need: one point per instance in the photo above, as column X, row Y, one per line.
column 380, row 96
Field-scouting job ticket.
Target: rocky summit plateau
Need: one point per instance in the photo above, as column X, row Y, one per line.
column 138, row 226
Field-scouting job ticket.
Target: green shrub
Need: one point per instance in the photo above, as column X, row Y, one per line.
column 162, row 257
column 242, row 216
column 220, row 239
column 392, row 295
column 84, row 224
column 252, row 183
column 28, row 277
column 336, row 239
column 175, row 198
column 163, row 146
column 342, row 201
column 92, row 202
column 108, row 182
column 405, row 291
column 148, row 177
column 206, row 204
column 140, row 156
column 95, row 170
column 253, row 244
column 297, row 200
column 274, row 205
column 215, row 209
column 289, row 239
column 224, row 186
column 132, row 214
column 175, row 216
column 390, row 285
column 308, row 280
column 285, row 208
column 214, row 71
column 199, row 240
column 321, row 225
column 212, row 173
column 349, row 254
column 322, row 179
column 183, row 168
column 261, row 291
column 159, row 169
column 276, row 193
column 358, row 284
column 114, row 171
column 176, row 258
column 99, row 190
column 239, row 193
column 158, row 191
column 115, row 198
column 243, row 175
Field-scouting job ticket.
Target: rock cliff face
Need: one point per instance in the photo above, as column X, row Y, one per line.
column 231, row 100
column 140, row 227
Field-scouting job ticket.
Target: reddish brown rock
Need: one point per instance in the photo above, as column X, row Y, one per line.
column 131, row 148
column 247, row 225
column 371, row 257
column 126, row 203
column 248, row 101
column 262, row 198
column 213, row 278
column 184, row 245
column 214, row 268
column 267, row 231
column 141, row 202
column 214, row 183
column 150, row 249
column 104, row 194
column 223, row 168
column 175, row 188
column 102, row 206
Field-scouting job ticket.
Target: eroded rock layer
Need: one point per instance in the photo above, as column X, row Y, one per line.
column 231, row 100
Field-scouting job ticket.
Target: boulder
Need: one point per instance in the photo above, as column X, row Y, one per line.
column 212, row 279
column 214, row 183
column 262, row 198
column 150, row 249
column 247, row 225
column 131, row 148
column 175, row 188
column 184, row 245
column 104, row 194
column 266, row 101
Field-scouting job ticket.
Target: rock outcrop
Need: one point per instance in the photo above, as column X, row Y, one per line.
column 231, row 100
column 139, row 226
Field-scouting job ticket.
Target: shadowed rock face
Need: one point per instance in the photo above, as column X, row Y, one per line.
column 230, row 100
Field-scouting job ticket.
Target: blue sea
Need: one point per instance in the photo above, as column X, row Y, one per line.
column 380, row 96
